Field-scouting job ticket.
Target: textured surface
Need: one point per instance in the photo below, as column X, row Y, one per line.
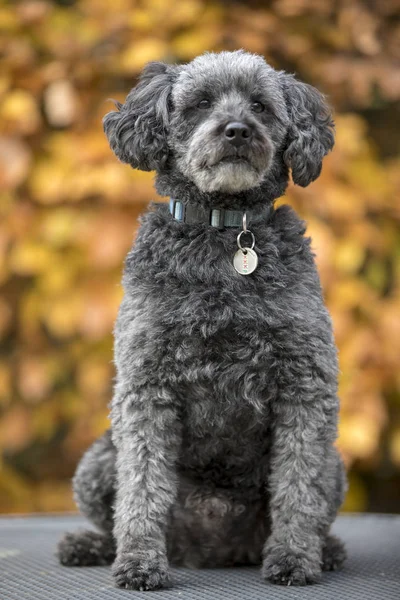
column 29, row 570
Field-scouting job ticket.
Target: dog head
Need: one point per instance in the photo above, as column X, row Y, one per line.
column 224, row 121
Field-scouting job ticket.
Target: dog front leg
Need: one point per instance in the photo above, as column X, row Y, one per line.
column 146, row 434
column 302, row 485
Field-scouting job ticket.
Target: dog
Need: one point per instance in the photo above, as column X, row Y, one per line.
column 224, row 415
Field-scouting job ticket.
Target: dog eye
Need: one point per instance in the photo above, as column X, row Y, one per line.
column 257, row 107
column 204, row 103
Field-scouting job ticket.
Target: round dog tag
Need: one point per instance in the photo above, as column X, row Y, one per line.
column 245, row 261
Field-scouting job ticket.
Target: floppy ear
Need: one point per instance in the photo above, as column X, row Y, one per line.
column 137, row 131
column 311, row 130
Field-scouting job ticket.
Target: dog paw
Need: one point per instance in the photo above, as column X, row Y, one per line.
column 144, row 571
column 283, row 567
column 333, row 554
column 85, row 549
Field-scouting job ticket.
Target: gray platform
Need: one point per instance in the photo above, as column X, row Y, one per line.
column 29, row 570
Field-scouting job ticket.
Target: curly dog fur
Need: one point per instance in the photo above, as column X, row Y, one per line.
column 225, row 410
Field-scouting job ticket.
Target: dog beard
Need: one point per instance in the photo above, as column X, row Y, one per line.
column 227, row 177
column 214, row 166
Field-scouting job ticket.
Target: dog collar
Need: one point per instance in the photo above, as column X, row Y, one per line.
column 216, row 217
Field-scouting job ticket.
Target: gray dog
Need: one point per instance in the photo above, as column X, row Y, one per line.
column 224, row 416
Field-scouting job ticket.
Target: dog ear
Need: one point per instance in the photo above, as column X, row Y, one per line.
column 137, row 131
column 311, row 130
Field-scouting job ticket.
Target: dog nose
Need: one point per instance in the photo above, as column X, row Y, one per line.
column 237, row 133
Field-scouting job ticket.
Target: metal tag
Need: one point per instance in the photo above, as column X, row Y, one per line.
column 245, row 261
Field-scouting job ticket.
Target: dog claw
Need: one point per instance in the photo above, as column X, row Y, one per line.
column 140, row 572
column 284, row 568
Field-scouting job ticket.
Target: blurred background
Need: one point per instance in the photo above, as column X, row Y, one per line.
column 68, row 215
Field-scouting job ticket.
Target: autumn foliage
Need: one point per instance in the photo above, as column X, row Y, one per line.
column 68, row 214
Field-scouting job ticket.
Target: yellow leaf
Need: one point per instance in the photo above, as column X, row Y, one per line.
column 49, row 183
column 142, row 20
column 62, row 315
column 186, row 12
column 195, row 41
column 20, row 110
column 349, row 256
column 58, row 227
column 141, row 52
column 359, row 435
column 30, row 257
column 8, row 20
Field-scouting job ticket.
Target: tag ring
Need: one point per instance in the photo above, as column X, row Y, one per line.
column 253, row 239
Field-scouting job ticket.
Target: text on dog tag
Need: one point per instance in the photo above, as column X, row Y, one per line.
column 245, row 261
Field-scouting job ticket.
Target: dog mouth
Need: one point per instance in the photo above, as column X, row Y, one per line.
column 234, row 159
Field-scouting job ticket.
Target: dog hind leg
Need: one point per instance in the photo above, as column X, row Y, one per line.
column 94, row 490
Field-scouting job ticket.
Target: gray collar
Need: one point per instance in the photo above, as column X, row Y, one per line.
column 215, row 217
